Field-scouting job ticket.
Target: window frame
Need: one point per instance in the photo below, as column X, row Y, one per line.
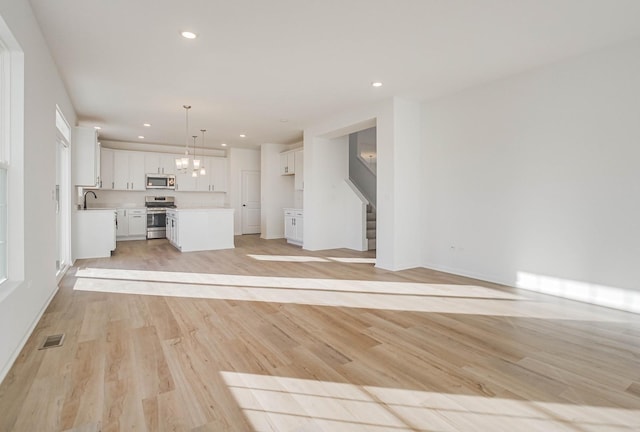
column 12, row 154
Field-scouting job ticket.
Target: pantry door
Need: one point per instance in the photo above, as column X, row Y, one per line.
column 250, row 202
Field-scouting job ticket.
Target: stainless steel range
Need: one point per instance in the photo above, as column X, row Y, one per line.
column 157, row 215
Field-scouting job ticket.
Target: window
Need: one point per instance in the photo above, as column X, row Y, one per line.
column 4, row 157
column 11, row 158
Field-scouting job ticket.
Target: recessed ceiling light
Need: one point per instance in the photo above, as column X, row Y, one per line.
column 243, row 136
column 376, row 84
column 189, row 35
column 140, row 137
column 146, row 124
column 97, row 127
column 223, row 144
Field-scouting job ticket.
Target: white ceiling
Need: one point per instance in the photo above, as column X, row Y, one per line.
column 258, row 62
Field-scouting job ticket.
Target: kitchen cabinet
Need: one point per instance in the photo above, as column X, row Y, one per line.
column 131, row 224
column 106, row 169
column 94, row 233
column 160, row 163
column 191, row 230
column 299, row 176
column 185, row 182
column 87, row 157
column 172, row 232
column 293, row 226
column 216, row 178
column 128, row 170
column 122, row 224
column 137, row 223
column 287, row 163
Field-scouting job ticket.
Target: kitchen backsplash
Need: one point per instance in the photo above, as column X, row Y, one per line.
column 109, row 198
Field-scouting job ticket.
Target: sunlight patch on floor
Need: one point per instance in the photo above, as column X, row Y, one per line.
column 287, row 258
column 338, row 293
column 353, row 260
column 283, row 403
column 306, row 258
column 381, row 287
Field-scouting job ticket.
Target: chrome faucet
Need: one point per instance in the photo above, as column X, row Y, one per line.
column 85, row 197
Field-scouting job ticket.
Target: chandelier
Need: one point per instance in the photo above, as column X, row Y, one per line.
column 182, row 163
column 186, row 164
column 203, row 171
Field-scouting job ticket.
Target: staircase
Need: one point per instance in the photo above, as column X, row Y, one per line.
column 371, row 227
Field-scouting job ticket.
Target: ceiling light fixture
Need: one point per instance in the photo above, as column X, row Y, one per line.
column 182, row 163
column 223, row 144
column 140, row 137
column 146, row 124
column 189, row 35
column 243, row 136
column 196, row 162
column 203, row 170
column 376, row 84
column 97, row 127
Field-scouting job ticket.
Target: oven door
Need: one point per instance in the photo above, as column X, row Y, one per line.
column 156, row 224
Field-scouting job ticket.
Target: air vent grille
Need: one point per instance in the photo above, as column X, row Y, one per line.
column 53, row 341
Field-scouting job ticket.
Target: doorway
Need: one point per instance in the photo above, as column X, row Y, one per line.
column 62, row 195
column 250, row 215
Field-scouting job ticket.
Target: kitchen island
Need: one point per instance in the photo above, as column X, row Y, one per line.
column 199, row 229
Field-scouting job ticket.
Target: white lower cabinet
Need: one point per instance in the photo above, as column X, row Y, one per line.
column 172, row 228
column 94, row 233
column 293, row 226
column 131, row 224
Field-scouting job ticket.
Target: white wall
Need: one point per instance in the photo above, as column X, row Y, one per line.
column 275, row 192
column 534, row 180
column 399, row 175
column 21, row 307
column 240, row 160
column 324, row 214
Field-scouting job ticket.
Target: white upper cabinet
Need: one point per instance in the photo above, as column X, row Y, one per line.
column 287, row 163
column 215, row 180
column 106, row 168
column 128, row 170
column 87, row 156
column 185, row 182
column 218, row 173
column 159, row 163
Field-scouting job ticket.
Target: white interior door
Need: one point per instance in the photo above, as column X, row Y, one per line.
column 250, row 202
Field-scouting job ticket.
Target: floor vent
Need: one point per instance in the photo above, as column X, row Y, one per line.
column 53, row 341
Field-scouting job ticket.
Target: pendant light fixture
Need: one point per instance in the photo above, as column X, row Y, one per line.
column 203, row 170
column 196, row 162
column 182, row 164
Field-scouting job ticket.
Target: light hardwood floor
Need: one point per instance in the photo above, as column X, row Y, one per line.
column 269, row 337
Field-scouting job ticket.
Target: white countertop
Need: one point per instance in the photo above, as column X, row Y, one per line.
column 179, row 209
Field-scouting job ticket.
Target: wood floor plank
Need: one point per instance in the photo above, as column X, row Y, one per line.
column 315, row 346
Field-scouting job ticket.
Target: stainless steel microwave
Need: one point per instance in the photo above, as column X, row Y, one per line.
column 161, row 181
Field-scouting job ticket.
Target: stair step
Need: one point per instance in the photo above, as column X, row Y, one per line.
column 371, row 233
column 372, row 244
column 371, row 224
column 371, row 216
